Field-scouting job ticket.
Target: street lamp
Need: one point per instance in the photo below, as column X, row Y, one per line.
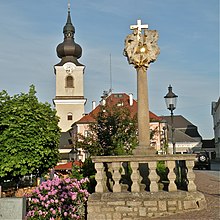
column 171, row 100
column 164, row 136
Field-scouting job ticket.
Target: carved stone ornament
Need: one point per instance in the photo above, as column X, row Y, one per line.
column 141, row 49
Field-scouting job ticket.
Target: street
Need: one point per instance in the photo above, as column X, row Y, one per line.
column 215, row 169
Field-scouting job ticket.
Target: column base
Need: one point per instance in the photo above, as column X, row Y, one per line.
column 144, row 150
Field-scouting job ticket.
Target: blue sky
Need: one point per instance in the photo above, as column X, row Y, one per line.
column 189, row 44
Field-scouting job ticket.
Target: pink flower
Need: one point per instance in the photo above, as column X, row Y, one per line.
column 73, row 197
column 63, row 196
column 67, row 180
column 65, row 214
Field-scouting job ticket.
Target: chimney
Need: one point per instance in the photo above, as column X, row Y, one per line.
column 103, row 102
column 93, row 105
column 130, row 99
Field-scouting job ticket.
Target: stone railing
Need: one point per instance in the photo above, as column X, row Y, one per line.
column 139, row 173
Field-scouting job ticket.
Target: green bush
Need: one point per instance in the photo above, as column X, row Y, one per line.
column 162, row 171
column 88, row 170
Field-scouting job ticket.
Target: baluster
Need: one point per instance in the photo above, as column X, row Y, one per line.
column 153, row 177
column 108, row 177
column 135, row 177
column 116, row 176
column 99, row 177
column 190, row 175
column 171, row 176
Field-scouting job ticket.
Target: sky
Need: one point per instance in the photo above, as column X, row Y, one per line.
column 30, row 31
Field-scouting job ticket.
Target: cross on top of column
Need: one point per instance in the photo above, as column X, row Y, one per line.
column 139, row 28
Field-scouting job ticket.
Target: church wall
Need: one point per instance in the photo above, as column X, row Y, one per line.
column 64, row 109
column 77, row 74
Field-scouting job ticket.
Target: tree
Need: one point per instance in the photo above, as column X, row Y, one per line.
column 113, row 133
column 29, row 135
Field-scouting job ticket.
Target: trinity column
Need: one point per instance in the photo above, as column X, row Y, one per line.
column 141, row 49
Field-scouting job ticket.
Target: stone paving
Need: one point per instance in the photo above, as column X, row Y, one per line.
column 209, row 185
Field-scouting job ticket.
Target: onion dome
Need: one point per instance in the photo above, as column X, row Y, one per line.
column 68, row 50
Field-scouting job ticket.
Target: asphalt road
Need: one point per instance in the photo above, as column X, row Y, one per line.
column 215, row 169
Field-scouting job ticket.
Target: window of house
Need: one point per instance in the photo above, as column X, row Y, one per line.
column 87, row 133
column 118, row 95
column 69, row 116
column 69, row 82
column 120, row 104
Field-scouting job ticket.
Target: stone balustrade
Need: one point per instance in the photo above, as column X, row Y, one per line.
column 139, row 173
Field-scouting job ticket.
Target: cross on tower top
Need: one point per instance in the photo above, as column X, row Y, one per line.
column 68, row 5
column 139, row 28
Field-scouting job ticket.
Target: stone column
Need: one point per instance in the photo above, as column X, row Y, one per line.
column 143, row 114
column 141, row 49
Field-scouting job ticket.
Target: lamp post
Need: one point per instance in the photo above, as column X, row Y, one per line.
column 171, row 100
column 164, row 136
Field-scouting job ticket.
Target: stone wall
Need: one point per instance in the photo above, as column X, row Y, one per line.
column 142, row 205
column 12, row 208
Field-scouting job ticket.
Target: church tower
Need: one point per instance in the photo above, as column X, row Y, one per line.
column 69, row 101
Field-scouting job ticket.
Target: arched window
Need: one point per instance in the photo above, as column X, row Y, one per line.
column 69, row 82
column 70, row 116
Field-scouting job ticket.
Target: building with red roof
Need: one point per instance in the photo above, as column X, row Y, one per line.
column 122, row 100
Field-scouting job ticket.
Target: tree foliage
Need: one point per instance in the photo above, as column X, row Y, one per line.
column 113, row 133
column 29, row 135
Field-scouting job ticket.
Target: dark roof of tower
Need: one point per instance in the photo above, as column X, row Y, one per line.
column 69, row 50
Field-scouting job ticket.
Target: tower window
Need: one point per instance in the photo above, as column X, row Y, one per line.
column 69, row 82
column 69, row 116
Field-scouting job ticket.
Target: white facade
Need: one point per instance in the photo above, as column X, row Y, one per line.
column 69, row 101
column 185, row 147
column 216, row 127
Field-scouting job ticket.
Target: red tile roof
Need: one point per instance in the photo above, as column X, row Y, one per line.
column 114, row 99
column 67, row 166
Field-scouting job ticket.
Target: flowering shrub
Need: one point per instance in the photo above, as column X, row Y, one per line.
column 58, row 199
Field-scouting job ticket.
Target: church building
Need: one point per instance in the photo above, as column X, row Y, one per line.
column 69, row 101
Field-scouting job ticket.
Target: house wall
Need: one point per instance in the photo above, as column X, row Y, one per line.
column 158, row 141
column 159, row 138
column 185, row 147
column 216, row 125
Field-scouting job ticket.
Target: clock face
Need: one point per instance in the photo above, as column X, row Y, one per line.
column 69, row 67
